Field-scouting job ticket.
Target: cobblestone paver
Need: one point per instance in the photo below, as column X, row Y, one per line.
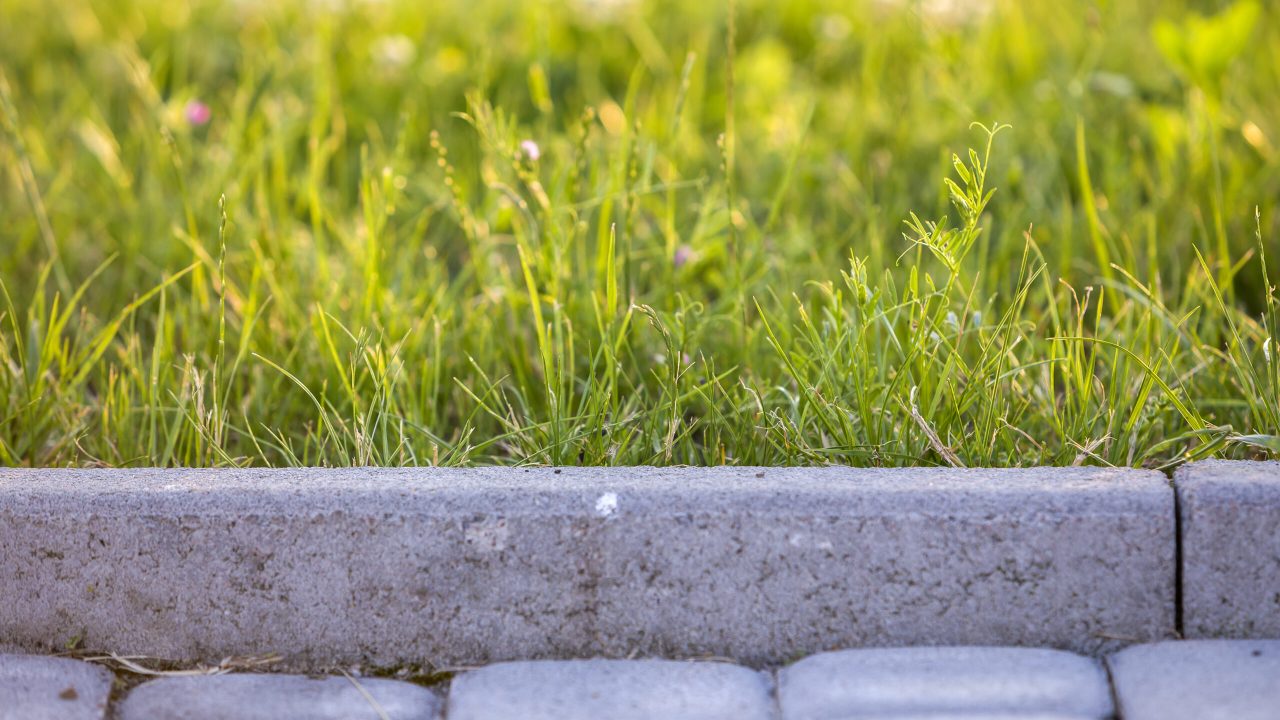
column 613, row 689
column 924, row 682
column 278, row 697
column 33, row 687
column 1198, row 680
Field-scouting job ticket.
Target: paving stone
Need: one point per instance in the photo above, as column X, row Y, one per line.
column 611, row 690
column 34, row 687
column 1198, row 680
column 278, row 697
column 936, row 682
column 965, row 716
column 1229, row 514
column 385, row 567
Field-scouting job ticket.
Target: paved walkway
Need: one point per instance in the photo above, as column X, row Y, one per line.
column 1201, row 680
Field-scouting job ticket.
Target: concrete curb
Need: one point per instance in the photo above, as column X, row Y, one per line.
column 464, row 567
column 1229, row 518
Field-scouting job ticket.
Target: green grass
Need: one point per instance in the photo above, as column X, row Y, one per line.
column 752, row 233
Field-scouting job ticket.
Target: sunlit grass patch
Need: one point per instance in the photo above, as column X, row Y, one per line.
column 335, row 233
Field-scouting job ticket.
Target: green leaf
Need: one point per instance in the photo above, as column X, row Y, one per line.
column 1169, row 40
column 1202, row 48
column 1270, row 443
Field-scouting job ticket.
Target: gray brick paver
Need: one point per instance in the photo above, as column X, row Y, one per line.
column 34, row 687
column 611, row 690
column 969, row 682
column 1198, row 680
column 278, row 697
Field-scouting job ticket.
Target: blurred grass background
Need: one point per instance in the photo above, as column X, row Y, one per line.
column 612, row 232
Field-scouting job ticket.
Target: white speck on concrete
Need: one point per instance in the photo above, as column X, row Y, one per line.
column 801, row 540
column 607, row 504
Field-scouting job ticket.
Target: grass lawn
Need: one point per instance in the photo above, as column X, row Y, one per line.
column 887, row 232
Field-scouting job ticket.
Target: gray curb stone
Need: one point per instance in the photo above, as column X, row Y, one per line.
column 612, row 689
column 968, row 682
column 278, row 697
column 1230, row 523
column 466, row 567
column 34, row 687
column 1198, row 680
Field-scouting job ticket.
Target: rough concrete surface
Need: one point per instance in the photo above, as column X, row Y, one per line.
column 35, row 687
column 1198, row 680
column 612, row 689
column 1230, row 524
column 945, row 681
column 278, row 697
column 463, row 567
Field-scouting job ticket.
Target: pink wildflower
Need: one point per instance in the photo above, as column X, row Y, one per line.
column 683, row 255
column 530, row 150
column 198, row 113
